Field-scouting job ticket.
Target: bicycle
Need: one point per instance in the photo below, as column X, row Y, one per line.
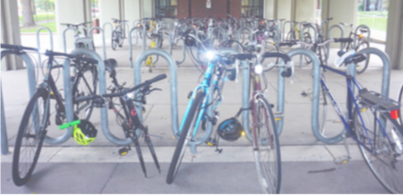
column 117, row 33
column 371, row 120
column 400, row 99
column 202, row 99
column 38, row 110
column 361, row 43
column 81, row 39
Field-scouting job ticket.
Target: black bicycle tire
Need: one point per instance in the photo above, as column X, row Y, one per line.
column 113, row 42
column 77, row 81
column 277, row 146
column 19, row 181
column 307, row 36
column 121, row 39
column 400, row 99
column 152, row 150
column 366, row 61
column 181, row 145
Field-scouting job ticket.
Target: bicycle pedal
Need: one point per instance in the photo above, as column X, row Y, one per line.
column 144, row 110
column 342, row 160
column 211, row 142
column 123, row 151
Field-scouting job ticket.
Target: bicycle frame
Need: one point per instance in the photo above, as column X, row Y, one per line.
column 351, row 101
column 205, row 85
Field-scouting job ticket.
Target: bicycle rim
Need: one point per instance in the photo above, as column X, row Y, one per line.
column 384, row 160
column 266, row 148
column 30, row 138
column 85, row 85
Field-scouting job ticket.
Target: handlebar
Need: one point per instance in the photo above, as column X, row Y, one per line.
column 124, row 92
column 343, row 40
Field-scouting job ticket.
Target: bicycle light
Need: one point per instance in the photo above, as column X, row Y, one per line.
column 210, row 55
column 258, row 69
column 394, row 114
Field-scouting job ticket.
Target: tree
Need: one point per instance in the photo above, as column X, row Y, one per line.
column 367, row 5
column 27, row 13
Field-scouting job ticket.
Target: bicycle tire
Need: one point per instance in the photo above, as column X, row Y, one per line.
column 290, row 36
column 37, row 137
column 362, row 66
column 183, row 140
column 84, row 87
column 387, row 151
column 269, row 138
column 329, row 120
column 114, row 39
column 120, row 39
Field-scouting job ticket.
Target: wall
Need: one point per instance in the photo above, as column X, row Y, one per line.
column 268, row 11
column 108, row 9
column 394, row 38
column 218, row 8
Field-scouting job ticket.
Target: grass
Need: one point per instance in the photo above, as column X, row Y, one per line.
column 42, row 17
column 376, row 23
column 51, row 26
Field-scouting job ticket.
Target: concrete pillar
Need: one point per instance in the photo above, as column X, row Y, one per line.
column 283, row 9
column 10, row 33
column 305, row 10
column 132, row 10
column 109, row 9
column 72, row 11
column 148, row 8
column 394, row 38
column 269, row 9
column 341, row 11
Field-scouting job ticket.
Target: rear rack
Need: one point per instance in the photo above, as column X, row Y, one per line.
column 375, row 100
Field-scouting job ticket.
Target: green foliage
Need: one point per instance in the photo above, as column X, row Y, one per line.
column 51, row 26
column 376, row 23
column 42, row 17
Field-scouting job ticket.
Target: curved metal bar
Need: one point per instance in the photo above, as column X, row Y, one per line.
column 183, row 53
column 102, row 90
column 111, row 25
column 103, row 38
column 38, row 43
column 173, row 83
column 4, row 137
column 369, row 34
column 245, row 97
column 291, row 27
column 242, row 30
column 386, row 67
column 329, row 35
column 130, row 43
column 222, row 31
column 64, row 37
column 315, row 88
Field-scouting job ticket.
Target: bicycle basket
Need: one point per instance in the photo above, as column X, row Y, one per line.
column 84, row 133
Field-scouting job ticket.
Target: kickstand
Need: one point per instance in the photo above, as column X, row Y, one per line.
column 218, row 141
column 341, row 159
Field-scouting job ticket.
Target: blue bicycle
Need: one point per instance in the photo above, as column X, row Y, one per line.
column 372, row 120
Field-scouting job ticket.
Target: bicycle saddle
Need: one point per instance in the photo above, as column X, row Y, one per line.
column 110, row 65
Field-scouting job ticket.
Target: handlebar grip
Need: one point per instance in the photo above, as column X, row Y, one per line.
column 285, row 57
column 330, row 18
column 343, row 40
column 157, row 78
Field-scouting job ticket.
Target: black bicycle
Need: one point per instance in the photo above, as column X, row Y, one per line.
column 117, row 33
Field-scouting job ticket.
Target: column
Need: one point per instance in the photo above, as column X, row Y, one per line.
column 108, row 9
column 268, row 9
column 394, row 38
column 72, row 11
column 148, row 8
column 305, row 10
column 341, row 11
column 132, row 10
column 10, row 33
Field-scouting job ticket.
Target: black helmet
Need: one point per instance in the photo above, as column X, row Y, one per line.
column 230, row 129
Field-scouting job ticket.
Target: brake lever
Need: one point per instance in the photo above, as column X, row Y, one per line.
column 154, row 89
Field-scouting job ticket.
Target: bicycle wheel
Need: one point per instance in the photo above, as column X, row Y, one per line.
column 184, row 137
column 387, row 149
column 31, row 134
column 400, row 99
column 266, row 147
column 290, row 36
column 330, row 125
column 362, row 66
column 85, row 84
column 120, row 39
column 114, row 40
column 307, row 39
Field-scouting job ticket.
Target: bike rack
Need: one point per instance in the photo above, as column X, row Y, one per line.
column 283, row 27
column 137, row 29
column 64, row 37
column 183, row 52
column 38, row 43
column 302, row 38
column 241, row 31
column 103, row 38
column 104, row 29
column 369, row 34
column 172, row 74
column 329, row 35
column 31, row 87
column 222, row 31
